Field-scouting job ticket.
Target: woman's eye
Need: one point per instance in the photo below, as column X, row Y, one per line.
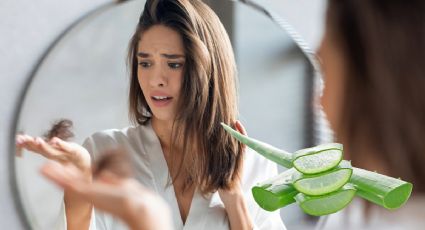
column 144, row 64
column 174, row 65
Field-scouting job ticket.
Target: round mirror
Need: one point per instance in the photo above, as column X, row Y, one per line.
column 83, row 77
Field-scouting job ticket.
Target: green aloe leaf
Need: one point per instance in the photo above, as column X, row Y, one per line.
column 317, row 180
column 385, row 191
column 325, row 182
column 326, row 204
column 308, row 161
column 272, row 153
column 318, row 159
column 276, row 192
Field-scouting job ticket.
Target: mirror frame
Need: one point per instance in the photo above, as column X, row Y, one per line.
column 315, row 122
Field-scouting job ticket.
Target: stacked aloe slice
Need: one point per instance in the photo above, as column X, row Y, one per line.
column 320, row 181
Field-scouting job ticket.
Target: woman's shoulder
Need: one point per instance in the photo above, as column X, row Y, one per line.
column 128, row 137
column 257, row 168
column 118, row 135
column 114, row 134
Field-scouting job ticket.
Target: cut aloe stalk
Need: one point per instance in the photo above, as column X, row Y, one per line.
column 272, row 153
column 323, row 183
column 276, row 192
column 308, row 161
column 388, row 192
column 318, row 159
column 326, row 204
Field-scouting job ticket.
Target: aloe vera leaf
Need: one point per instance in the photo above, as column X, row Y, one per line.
column 323, row 183
column 385, row 191
column 318, row 159
column 272, row 153
column 326, row 204
column 276, row 192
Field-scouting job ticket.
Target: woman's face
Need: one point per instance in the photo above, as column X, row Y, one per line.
column 332, row 63
column 161, row 59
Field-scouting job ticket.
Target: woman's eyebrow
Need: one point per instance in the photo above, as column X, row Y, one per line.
column 143, row 55
column 173, row 56
column 169, row 56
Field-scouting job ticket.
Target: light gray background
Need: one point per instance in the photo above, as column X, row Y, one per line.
column 27, row 28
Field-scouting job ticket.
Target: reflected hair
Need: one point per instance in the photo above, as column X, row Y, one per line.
column 62, row 129
column 211, row 157
column 383, row 43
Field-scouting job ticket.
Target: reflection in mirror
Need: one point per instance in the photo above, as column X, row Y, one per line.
column 84, row 79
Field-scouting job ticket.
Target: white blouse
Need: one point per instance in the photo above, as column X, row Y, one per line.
column 151, row 170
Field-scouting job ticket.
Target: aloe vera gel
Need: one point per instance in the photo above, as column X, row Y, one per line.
column 319, row 181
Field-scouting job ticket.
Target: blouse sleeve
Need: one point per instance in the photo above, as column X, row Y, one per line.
column 95, row 144
column 258, row 169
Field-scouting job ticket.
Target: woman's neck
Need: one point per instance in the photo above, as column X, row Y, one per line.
column 163, row 130
column 172, row 151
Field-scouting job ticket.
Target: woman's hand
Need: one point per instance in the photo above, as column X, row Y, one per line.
column 234, row 200
column 78, row 211
column 57, row 150
column 122, row 197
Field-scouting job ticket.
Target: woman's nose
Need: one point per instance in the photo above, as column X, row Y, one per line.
column 158, row 78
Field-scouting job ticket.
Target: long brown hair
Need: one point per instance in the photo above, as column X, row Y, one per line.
column 211, row 157
column 383, row 43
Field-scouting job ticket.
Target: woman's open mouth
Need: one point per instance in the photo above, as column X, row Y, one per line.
column 161, row 101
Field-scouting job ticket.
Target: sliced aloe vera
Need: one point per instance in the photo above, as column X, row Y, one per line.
column 323, row 183
column 276, row 192
column 272, row 153
column 318, row 159
column 388, row 192
column 326, row 204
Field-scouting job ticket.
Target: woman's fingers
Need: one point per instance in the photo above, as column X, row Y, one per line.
column 39, row 146
column 50, row 152
column 63, row 145
column 125, row 197
column 18, row 145
column 56, row 149
column 27, row 142
column 74, row 152
column 102, row 194
column 240, row 128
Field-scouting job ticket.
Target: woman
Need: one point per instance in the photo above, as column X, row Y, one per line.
column 372, row 55
column 183, row 84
